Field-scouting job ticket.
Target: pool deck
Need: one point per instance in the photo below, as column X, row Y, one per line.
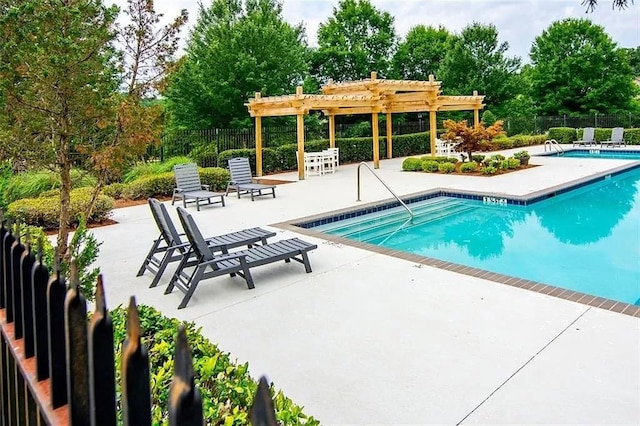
column 372, row 339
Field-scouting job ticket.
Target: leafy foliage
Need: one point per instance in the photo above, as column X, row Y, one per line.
column 476, row 60
column 236, row 48
column 153, row 168
column 577, row 68
column 470, row 138
column 355, row 41
column 45, row 211
column 227, row 389
column 420, row 53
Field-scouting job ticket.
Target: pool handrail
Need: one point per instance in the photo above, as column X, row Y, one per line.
column 553, row 144
column 363, row 163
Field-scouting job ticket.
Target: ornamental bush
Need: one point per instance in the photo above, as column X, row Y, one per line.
column 45, row 211
column 468, row 167
column 226, row 388
column 412, row 164
column 163, row 184
column 512, row 163
column 563, row 134
column 430, row 166
column 632, row 136
column 153, row 168
column 446, row 167
column 33, row 184
column 488, row 170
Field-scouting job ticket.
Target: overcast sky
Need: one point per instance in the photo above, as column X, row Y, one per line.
column 518, row 21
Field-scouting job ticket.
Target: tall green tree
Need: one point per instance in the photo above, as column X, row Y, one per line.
column 235, row 49
column 633, row 56
column 420, row 53
column 58, row 75
column 476, row 60
column 355, row 41
column 577, row 68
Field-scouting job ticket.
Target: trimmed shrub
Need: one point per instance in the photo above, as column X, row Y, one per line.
column 45, row 212
column 601, row 134
column 489, row 170
column 270, row 161
column 512, row 163
column 488, row 118
column 477, row 158
column 114, row 190
column 430, row 166
column 563, row 134
column 412, row 164
column 411, row 144
column 150, row 186
column 468, row 167
column 216, row 177
column 632, row 136
column 446, row 167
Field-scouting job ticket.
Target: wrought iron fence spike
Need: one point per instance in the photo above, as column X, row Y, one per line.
column 185, row 402
column 262, row 412
column 74, row 281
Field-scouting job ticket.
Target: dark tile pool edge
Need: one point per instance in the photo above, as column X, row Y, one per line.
column 549, row 290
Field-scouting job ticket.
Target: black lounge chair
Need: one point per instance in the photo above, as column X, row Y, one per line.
column 189, row 187
column 170, row 246
column 242, row 180
column 209, row 265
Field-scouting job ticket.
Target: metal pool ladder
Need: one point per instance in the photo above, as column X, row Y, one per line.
column 383, row 183
column 553, row 144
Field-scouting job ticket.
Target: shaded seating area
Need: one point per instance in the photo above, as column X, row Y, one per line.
column 189, row 187
column 242, row 180
column 617, row 138
column 588, row 137
column 169, row 246
column 209, row 265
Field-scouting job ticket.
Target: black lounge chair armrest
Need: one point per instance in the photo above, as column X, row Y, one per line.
column 206, row 187
column 177, row 190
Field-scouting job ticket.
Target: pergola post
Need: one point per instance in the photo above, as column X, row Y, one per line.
column 258, row 146
column 432, row 130
column 300, row 123
column 376, row 141
column 258, row 140
column 332, row 131
column 476, row 113
column 389, row 137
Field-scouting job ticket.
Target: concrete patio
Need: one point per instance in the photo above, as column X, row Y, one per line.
column 371, row 339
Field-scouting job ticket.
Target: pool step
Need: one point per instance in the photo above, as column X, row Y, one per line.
column 379, row 233
column 398, row 213
column 387, row 221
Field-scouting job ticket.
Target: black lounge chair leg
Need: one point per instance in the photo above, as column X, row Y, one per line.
column 246, row 273
column 197, row 204
column 305, row 260
column 193, row 283
column 163, row 265
column 143, row 268
column 222, row 200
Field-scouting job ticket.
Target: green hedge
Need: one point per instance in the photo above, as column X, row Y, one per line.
column 226, row 388
column 45, row 211
column 517, row 141
column 163, row 184
column 632, row 136
column 563, row 134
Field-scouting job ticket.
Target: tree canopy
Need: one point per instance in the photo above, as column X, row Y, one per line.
column 577, row 68
column 476, row 60
column 356, row 40
column 236, row 49
column 420, row 53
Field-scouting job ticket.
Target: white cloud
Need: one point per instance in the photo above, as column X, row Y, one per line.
column 518, row 21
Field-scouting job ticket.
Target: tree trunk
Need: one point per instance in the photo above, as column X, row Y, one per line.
column 94, row 197
column 65, row 199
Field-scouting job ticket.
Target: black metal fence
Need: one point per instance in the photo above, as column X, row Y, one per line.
column 57, row 368
column 182, row 142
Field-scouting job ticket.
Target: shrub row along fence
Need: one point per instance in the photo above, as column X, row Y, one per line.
column 182, row 142
column 57, row 368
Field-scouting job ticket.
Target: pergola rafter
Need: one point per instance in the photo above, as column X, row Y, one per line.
column 371, row 96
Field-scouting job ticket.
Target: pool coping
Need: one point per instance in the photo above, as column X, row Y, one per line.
column 297, row 225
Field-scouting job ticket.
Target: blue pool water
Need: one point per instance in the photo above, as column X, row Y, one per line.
column 586, row 240
column 597, row 153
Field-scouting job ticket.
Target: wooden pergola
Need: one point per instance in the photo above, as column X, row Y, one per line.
column 371, row 96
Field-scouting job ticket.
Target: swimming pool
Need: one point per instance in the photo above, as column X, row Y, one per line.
column 586, row 239
column 599, row 153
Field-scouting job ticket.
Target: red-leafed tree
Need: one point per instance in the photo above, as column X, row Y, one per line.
column 470, row 139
